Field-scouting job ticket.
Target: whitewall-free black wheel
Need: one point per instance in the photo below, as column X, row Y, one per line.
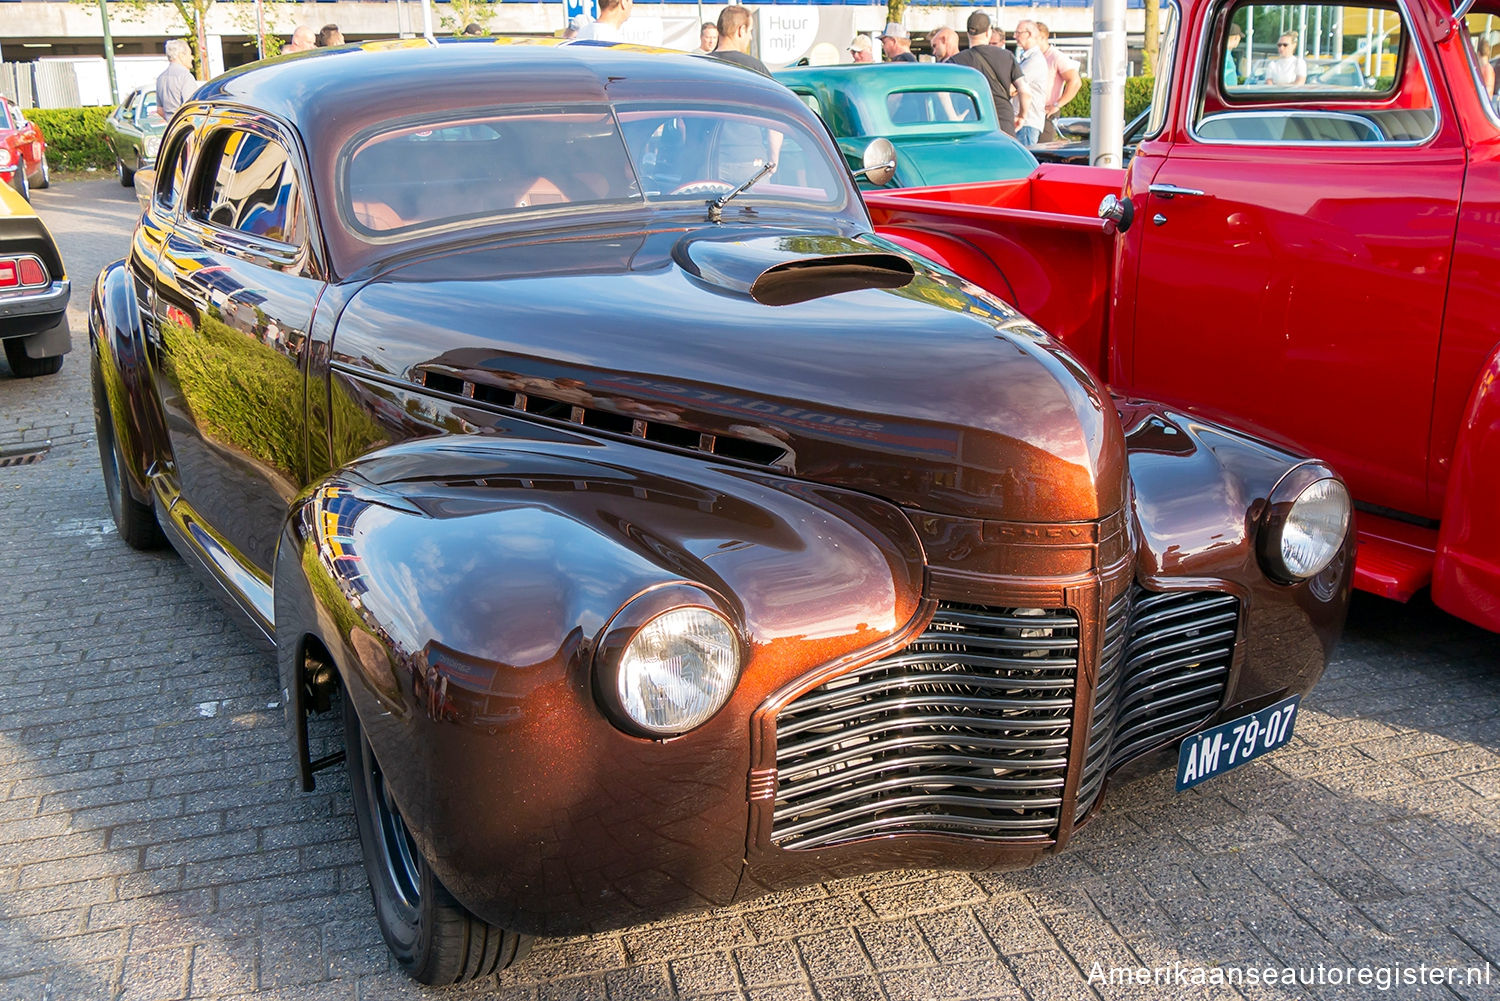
column 434, row 938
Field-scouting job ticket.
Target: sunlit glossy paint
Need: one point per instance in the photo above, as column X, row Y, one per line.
column 508, row 436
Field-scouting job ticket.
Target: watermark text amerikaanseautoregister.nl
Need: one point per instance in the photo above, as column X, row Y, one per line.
column 1382, row 978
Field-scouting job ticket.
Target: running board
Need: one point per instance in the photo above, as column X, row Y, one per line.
column 1395, row 558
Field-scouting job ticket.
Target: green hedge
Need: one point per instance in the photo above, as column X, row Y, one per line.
column 1137, row 98
column 75, row 137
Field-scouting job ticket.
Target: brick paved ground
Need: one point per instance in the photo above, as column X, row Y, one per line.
column 153, row 843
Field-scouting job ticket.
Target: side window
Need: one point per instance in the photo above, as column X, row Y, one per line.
column 1166, row 57
column 1286, row 74
column 1484, row 48
column 171, row 174
column 248, row 185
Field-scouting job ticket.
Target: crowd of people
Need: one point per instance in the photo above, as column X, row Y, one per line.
column 1028, row 86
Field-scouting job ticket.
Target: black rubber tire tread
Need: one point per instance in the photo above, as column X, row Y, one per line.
column 136, row 522
column 26, row 367
column 124, row 173
column 449, row 944
column 44, row 175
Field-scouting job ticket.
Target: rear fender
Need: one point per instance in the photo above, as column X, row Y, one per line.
column 1466, row 573
column 117, row 344
column 461, row 586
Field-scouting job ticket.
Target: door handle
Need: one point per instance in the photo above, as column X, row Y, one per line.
column 1172, row 191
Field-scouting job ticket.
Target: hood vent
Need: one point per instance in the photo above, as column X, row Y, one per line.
column 598, row 419
column 782, row 269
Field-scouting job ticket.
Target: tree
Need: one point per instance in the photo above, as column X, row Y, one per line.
column 462, row 13
column 1152, row 47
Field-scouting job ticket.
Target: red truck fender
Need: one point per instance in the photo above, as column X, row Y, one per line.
column 1466, row 575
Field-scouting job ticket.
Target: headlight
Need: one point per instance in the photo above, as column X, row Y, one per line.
column 1305, row 523
column 663, row 670
column 152, row 145
column 4, row 157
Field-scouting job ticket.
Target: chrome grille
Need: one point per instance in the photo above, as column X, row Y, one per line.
column 965, row 731
column 1106, row 700
column 1177, row 662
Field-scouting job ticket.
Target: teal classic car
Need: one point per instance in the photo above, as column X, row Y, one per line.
column 940, row 118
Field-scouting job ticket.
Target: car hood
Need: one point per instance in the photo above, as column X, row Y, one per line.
column 891, row 378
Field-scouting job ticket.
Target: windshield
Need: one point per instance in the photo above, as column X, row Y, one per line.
column 408, row 176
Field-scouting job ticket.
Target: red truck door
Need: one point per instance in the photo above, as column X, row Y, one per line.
column 1295, row 242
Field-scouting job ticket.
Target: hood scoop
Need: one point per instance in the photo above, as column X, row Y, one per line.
column 783, row 269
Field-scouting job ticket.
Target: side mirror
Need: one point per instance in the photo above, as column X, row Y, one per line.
column 880, row 163
column 145, row 183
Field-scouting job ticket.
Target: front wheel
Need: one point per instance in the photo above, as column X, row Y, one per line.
column 434, row 938
column 124, row 173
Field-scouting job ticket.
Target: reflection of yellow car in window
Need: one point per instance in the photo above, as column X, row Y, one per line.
column 33, row 291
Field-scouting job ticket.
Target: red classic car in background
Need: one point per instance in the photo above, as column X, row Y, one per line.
column 1311, row 258
column 23, row 151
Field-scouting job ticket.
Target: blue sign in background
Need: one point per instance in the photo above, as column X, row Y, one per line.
column 576, row 7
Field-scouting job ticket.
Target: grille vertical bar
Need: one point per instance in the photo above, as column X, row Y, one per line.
column 965, row 731
column 1106, row 702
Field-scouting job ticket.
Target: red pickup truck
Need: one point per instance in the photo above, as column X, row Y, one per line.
column 1300, row 244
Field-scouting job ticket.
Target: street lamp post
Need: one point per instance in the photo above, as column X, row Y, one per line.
column 109, row 54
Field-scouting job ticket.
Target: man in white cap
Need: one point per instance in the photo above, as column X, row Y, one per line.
column 861, row 50
column 896, row 43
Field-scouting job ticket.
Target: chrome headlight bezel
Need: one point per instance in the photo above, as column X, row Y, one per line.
column 1285, row 522
column 617, row 678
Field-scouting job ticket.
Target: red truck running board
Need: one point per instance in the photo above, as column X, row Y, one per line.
column 1395, row 559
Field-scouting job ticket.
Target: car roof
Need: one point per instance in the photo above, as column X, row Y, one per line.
column 382, row 81
column 883, row 78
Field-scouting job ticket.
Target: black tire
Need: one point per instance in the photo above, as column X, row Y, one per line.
column 23, row 186
column 26, row 367
column 435, row 939
column 124, row 173
column 136, row 522
column 43, row 176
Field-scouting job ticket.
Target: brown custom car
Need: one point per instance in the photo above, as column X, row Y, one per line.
column 665, row 536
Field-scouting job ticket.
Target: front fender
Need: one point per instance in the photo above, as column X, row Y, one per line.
column 117, row 344
column 461, row 586
column 1466, row 573
column 1201, row 492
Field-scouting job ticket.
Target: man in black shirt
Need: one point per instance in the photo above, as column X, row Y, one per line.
column 896, row 43
column 999, row 68
column 734, row 39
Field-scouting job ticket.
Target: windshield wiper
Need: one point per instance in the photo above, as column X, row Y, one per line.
column 716, row 207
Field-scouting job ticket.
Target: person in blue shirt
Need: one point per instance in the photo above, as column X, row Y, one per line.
column 1231, row 71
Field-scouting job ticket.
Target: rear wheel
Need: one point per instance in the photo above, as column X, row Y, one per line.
column 26, row 367
column 23, row 187
column 43, row 177
column 136, row 522
column 434, row 938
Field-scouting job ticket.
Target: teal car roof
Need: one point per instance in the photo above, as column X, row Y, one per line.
column 859, row 96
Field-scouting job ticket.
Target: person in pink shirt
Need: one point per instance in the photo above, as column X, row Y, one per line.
column 1062, row 81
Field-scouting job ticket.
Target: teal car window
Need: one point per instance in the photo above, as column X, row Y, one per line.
column 931, row 107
